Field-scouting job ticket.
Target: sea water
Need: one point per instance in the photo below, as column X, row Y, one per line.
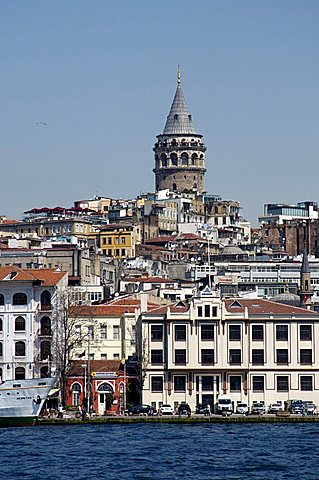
column 161, row 451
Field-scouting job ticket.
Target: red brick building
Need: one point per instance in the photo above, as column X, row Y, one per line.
column 107, row 379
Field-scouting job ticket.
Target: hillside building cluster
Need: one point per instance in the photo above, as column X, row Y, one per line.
column 165, row 298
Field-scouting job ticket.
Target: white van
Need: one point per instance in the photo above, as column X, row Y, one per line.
column 224, row 404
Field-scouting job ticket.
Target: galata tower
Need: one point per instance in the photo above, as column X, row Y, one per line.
column 179, row 151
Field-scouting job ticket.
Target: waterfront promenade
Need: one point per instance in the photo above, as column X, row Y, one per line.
column 175, row 419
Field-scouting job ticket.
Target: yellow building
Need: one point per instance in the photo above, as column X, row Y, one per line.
column 119, row 241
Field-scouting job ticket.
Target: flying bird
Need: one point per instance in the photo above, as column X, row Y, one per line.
column 41, row 123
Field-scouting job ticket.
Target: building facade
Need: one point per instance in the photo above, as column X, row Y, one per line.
column 252, row 350
column 27, row 301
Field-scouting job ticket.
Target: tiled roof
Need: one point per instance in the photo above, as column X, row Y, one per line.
column 258, row 306
column 179, row 120
column 112, row 309
column 47, row 276
column 95, row 366
column 173, row 309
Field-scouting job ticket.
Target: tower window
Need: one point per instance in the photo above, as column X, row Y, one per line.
column 175, row 116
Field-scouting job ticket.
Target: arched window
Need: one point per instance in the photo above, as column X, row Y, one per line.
column 46, row 326
column 105, row 387
column 19, row 373
column 184, row 158
column 194, row 159
column 306, row 285
column 1, row 349
column 45, row 300
column 1, row 325
column 174, row 159
column 44, row 372
column 76, row 393
column 19, row 299
column 1, row 299
column 45, row 350
column 174, row 187
column 19, row 349
column 19, row 324
column 164, row 160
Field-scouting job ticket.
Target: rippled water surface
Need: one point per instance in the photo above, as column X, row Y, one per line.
column 155, row 451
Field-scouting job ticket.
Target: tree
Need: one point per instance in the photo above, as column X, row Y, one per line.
column 67, row 338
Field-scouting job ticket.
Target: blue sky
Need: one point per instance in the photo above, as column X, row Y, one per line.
column 102, row 76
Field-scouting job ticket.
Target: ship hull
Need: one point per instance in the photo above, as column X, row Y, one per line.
column 17, row 421
column 21, row 401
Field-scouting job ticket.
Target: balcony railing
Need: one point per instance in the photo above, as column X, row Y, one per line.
column 45, row 307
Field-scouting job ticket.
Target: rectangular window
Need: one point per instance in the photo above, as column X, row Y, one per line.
column 157, row 357
column 282, row 384
column 103, row 332
column 157, row 384
column 258, row 383
column 257, row 356
column 234, row 357
column 282, row 333
column 235, row 383
column 305, row 356
column 207, row 356
column 306, row 383
column 180, row 332
column 207, row 310
column 282, row 356
column 156, row 333
column 116, row 241
column 91, row 332
column 116, row 356
column 109, row 252
column 207, row 332
column 109, row 240
column 207, row 383
column 123, row 240
column 103, row 356
column 257, row 332
column 199, row 311
column 305, row 332
column 179, row 383
column 117, row 252
column 123, row 252
column 234, row 332
column 214, row 311
column 180, row 356
column 116, row 332
column 78, row 332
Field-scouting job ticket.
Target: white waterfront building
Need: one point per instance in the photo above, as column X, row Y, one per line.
column 253, row 350
column 27, row 300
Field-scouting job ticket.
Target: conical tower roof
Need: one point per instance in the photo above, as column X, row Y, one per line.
column 179, row 120
column 305, row 264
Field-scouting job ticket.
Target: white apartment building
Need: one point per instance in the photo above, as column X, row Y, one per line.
column 27, row 299
column 253, row 350
column 269, row 277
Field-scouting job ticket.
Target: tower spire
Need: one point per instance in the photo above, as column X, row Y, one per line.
column 179, row 75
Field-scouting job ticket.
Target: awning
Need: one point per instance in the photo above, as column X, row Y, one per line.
column 53, row 393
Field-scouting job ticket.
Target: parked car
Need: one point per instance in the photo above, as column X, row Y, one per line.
column 224, row 404
column 242, row 408
column 184, row 409
column 310, row 408
column 258, row 409
column 275, row 407
column 203, row 409
column 166, row 410
column 295, row 406
column 141, row 410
